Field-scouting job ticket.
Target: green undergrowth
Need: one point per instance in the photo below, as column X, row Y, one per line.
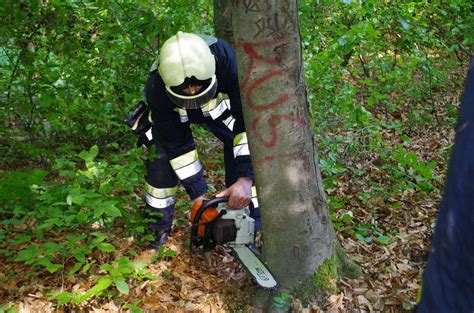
column 72, row 219
column 378, row 75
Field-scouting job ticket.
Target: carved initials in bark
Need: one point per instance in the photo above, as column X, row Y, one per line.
column 251, row 5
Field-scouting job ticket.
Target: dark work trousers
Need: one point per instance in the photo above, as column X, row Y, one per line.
column 161, row 175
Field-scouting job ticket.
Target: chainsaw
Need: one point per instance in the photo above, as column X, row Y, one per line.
column 214, row 223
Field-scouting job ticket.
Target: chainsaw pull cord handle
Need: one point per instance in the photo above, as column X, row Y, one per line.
column 205, row 205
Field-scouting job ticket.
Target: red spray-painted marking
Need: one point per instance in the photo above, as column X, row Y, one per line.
column 289, row 155
column 250, row 48
column 273, row 121
column 258, row 82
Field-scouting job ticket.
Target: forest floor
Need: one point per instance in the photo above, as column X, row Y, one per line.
column 215, row 282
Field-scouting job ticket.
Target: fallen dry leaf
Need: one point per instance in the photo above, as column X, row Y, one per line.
column 336, row 301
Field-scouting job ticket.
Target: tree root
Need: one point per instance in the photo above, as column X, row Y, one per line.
column 314, row 288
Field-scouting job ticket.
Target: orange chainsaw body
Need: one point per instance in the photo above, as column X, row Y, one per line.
column 208, row 215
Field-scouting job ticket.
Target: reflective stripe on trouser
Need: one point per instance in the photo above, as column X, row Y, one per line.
column 160, row 197
column 159, row 208
column 160, row 189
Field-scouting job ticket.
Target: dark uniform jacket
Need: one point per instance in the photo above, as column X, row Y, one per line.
column 448, row 281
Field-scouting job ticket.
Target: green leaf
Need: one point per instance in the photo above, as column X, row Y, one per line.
column 105, row 247
column 87, row 267
column 63, row 297
column 383, row 240
column 346, row 217
column 50, row 267
column 98, row 212
column 364, row 239
column 81, row 217
column 121, row 286
column 7, row 252
column 19, row 239
column 94, row 150
column 133, row 307
column 74, row 269
column 77, row 199
column 28, row 255
column 54, row 267
column 103, row 284
column 112, row 211
column 67, row 173
column 106, row 267
column 84, row 155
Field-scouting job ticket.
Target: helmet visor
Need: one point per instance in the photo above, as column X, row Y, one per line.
column 192, row 94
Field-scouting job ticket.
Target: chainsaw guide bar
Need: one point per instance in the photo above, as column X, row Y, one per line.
column 255, row 268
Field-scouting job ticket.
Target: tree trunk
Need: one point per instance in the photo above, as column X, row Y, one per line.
column 223, row 20
column 298, row 235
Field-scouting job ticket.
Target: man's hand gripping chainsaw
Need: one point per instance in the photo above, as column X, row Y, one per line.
column 213, row 223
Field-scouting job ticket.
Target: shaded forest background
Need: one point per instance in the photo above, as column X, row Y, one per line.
column 384, row 81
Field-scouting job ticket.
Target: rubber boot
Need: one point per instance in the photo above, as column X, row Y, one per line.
column 159, row 222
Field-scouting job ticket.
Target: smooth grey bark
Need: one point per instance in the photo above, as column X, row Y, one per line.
column 223, row 20
column 298, row 234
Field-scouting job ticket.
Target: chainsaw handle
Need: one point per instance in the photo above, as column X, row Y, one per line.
column 208, row 204
column 214, row 202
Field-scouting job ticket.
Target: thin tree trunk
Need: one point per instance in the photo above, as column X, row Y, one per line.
column 223, row 20
column 298, row 234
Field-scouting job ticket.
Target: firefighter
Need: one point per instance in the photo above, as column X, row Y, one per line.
column 194, row 80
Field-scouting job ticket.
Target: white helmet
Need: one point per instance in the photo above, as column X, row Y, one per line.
column 188, row 68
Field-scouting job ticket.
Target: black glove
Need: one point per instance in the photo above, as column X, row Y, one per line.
column 140, row 122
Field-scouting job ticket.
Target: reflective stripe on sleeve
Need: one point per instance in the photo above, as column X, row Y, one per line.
column 229, row 122
column 219, row 109
column 149, row 134
column 186, row 165
column 135, row 125
column 241, row 150
column 159, row 203
column 160, row 193
column 241, row 146
column 184, row 159
column 208, row 106
column 215, row 107
column 240, row 139
column 183, row 115
column 188, row 171
column 254, row 197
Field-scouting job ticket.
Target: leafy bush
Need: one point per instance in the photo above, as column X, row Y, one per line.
column 58, row 225
column 73, row 69
column 378, row 67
